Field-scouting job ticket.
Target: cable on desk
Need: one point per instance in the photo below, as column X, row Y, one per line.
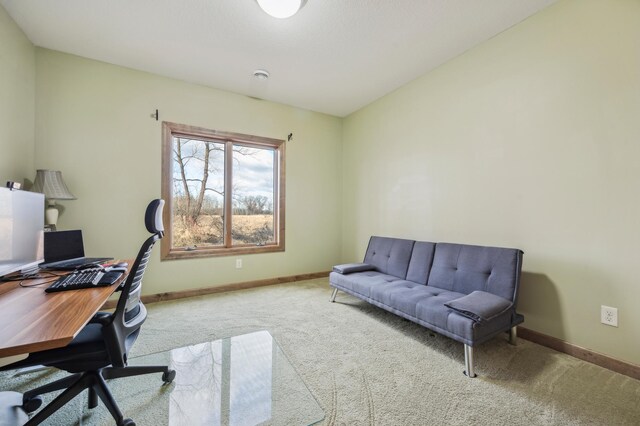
column 21, row 283
column 35, row 276
column 18, row 276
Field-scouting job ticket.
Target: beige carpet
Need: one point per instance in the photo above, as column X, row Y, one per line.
column 369, row 367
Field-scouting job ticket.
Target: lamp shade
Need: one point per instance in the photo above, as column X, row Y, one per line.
column 281, row 8
column 50, row 183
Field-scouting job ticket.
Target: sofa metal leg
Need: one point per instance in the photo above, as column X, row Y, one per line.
column 468, row 361
column 513, row 335
column 333, row 295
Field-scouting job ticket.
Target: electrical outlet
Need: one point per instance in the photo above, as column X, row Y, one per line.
column 609, row 315
column 238, row 263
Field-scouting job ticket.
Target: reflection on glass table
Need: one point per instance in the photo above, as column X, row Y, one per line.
column 237, row 381
column 241, row 380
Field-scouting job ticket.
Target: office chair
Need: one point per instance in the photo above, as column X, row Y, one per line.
column 99, row 352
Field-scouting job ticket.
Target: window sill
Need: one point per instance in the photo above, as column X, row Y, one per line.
column 175, row 254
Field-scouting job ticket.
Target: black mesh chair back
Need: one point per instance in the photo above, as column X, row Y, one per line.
column 130, row 312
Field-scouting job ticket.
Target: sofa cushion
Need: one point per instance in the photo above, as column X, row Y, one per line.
column 406, row 296
column 464, row 269
column 349, row 268
column 480, row 306
column 360, row 282
column 389, row 255
column 420, row 263
column 427, row 306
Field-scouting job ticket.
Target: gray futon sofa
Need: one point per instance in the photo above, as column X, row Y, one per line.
column 468, row 293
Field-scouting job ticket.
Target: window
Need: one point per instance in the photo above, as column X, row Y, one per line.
column 224, row 193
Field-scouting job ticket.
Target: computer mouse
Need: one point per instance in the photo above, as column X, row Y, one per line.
column 118, row 267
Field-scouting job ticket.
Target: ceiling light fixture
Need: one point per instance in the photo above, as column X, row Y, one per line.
column 261, row 74
column 281, row 8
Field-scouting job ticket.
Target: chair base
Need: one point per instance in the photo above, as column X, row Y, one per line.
column 94, row 382
column 10, row 412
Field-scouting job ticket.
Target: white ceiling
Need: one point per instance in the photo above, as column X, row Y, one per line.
column 334, row 56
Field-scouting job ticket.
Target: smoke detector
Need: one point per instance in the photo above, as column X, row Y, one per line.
column 261, row 74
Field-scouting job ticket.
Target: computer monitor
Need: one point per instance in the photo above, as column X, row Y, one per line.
column 21, row 230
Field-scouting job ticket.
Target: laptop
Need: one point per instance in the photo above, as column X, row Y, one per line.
column 64, row 250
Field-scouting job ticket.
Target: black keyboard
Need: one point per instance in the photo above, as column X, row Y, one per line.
column 88, row 278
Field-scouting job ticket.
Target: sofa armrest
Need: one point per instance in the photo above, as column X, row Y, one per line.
column 349, row 268
column 480, row 306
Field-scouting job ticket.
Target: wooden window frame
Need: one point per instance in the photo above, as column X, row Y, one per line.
column 169, row 131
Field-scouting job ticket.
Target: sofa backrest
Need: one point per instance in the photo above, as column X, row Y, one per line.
column 389, row 255
column 464, row 269
column 420, row 263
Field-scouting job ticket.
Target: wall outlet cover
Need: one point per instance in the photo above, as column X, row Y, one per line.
column 609, row 315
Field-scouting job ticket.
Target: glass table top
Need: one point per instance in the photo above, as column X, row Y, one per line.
column 237, row 381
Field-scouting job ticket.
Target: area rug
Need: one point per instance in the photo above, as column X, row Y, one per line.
column 369, row 367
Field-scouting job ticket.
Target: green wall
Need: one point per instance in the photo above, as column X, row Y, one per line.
column 17, row 102
column 530, row 140
column 93, row 123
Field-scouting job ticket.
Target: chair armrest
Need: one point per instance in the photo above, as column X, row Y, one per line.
column 480, row 306
column 349, row 268
column 103, row 318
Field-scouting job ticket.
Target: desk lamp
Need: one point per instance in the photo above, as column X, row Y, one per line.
column 50, row 183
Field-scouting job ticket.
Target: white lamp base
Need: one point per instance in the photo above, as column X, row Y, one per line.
column 51, row 214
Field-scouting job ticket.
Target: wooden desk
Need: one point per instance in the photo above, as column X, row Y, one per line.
column 32, row 320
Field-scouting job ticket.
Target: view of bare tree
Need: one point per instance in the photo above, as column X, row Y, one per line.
column 199, row 197
column 194, row 189
column 255, row 204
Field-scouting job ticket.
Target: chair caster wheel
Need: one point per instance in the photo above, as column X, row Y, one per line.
column 32, row 404
column 127, row 422
column 168, row 376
